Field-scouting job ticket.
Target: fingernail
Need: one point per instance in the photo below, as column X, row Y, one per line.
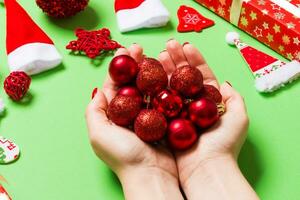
column 94, row 92
column 228, row 83
column 185, row 43
column 170, row 39
column 163, row 51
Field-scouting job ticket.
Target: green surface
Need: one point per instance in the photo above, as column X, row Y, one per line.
column 57, row 162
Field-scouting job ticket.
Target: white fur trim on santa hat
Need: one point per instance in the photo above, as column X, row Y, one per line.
column 151, row 13
column 278, row 78
column 34, row 58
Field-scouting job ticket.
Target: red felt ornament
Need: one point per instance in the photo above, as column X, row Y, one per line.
column 131, row 91
column 212, row 93
column 192, row 20
column 181, row 134
column 168, row 102
column 93, row 43
column 16, row 85
column 122, row 110
column 123, row 69
column 62, row 8
column 187, row 80
column 150, row 125
column 203, row 112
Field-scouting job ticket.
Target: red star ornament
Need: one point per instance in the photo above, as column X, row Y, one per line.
column 192, row 20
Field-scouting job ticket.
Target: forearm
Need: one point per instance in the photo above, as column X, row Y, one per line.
column 219, row 179
column 150, row 184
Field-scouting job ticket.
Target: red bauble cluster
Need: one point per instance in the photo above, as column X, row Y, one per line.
column 16, row 85
column 62, row 8
column 156, row 109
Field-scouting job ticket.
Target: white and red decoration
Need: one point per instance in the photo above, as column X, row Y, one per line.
column 270, row 73
column 29, row 49
column 191, row 20
column 9, row 151
column 137, row 14
column 3, row 194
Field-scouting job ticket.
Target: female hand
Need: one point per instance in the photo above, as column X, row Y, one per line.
column 146, row 172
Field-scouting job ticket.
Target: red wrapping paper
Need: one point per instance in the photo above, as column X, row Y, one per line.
column 266, row 21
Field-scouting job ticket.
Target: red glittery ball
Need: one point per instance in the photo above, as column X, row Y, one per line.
column 62, row 8
column 16, row 85
column 181, row 134
column 187, row 80
column 150, row 125
column 123, row 69
column 212, row 93
column 131, row 91
column 168, row 102
column 152, row 80
column 148, row 63
column 122, row 110
column 203, row 112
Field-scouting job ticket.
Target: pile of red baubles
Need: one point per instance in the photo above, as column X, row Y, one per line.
column 156, row 108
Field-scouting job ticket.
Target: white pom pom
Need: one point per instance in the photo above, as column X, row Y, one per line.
column 2, row 106
column 231, row 37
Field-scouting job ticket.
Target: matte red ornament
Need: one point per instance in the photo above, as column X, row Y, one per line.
column 149, row 62
column 187, row 80
column 192, row 20
column 203, row 112
column 122, row 110
column 16, row 85
column 131, row 91
column 150, row 125
column 212, row 93
column 93, row 43
column 62, row 8
column 123, row 69
column 152, row 80
column 168, row 102
column 182, row 134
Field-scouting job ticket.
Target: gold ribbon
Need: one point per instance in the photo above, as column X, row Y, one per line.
column 2, row 179
column 235, row 11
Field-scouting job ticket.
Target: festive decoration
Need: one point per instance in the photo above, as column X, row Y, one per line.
column 9, row 151
column 273, row 22
column 212, row 93
column 181, row 134
column 137, row 14
column 203, row 112
column 2, row 107
column 192, row 20
column 152, row 80
column 62, row 8
column 150, row 125
column 93, row 43
column 123, row 69
column 148, row 63
column 168, row 102
column 16, row 85
column 269, row 72
column 3, row 194
column 187, row 80
column 131, row 92
column 29, row 49
column 123, row 109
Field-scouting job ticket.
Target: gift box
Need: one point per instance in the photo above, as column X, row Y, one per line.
column 276, row 23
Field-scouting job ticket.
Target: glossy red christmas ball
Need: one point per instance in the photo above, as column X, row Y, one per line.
column 122, row 110
column 212, row 93
column 131, row 91
column 203, row 112
column 187, row 80
column 168, row 102
column 148, row 63
column 182, row 134
column 123, row 69
column 62, row 8
column 150, row 125
column 152, row 80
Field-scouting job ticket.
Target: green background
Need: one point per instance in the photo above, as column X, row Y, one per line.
column 57, row 162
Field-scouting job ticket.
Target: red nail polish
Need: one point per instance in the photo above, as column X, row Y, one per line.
column 94, row 92
column 228, row 83
column 185, row 43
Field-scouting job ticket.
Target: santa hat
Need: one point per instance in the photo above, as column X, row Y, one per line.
column 136, row 14
column 29, row 49
column 3, row 194
column 270, row 73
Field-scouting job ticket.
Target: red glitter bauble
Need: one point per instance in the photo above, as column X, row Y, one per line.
column 204, row 112
column 150, row 125
column 187, row 80
column 131, row 91
column 168, row 102
column 212, row 93
column 16, row 85
column 62, row 8
column 123, row 69
column 181, row 134
column 152, row 80
column 149, row 62
column 122, row 110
